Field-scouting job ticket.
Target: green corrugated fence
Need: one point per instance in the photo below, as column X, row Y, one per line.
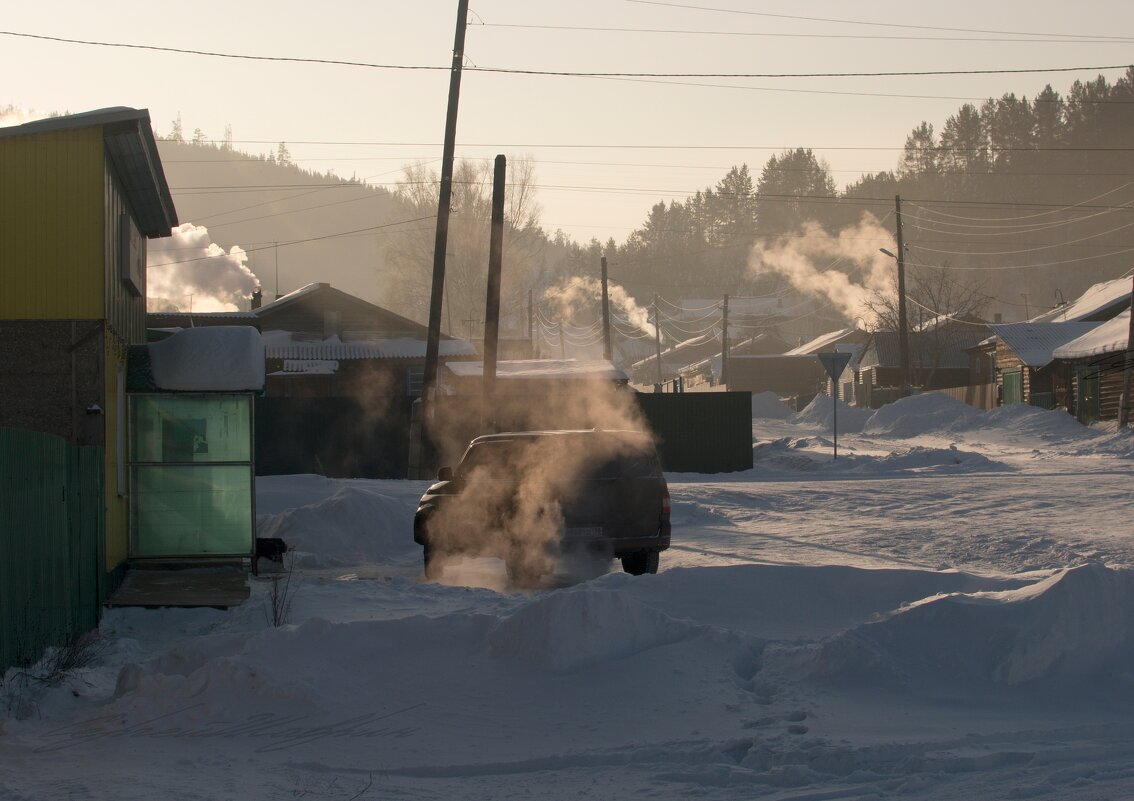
column 51, row 529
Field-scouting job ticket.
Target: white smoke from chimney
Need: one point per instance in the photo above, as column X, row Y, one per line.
column 577, row 293
column 189, row 272
column 848, row 269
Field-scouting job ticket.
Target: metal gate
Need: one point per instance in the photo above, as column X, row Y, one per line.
column 51, row 532
column 1013, row 387
column 1087, row 406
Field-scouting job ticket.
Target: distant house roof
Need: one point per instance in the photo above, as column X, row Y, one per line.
column 1109, row 337
column 589, row 370
column 882, row 349
column 1100, row 302
column 130, row 145
column 282, row 345
column 827, row 341
column 1034, row 343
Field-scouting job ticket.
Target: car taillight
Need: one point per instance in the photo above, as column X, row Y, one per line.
column 665, row 504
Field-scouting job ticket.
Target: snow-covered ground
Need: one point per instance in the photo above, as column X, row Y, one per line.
column 945, row 612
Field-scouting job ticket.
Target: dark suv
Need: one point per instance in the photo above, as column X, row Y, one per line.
column 529, row 497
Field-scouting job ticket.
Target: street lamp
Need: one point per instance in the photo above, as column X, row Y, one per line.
column 903, row 324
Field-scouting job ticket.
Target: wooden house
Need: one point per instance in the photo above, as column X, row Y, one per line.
column 1096, row 363
column 1025, row 368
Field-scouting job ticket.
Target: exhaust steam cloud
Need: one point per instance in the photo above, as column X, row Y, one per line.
column 848, row 269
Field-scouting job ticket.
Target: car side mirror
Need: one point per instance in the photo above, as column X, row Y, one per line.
column 445, row 474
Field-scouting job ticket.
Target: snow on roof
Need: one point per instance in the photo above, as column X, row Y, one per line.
column 1095, row 300
column 211, row 359
column 820, row 342
column 1035, row 343
column 281, row 345
column 1108, row 337
column 593, row 370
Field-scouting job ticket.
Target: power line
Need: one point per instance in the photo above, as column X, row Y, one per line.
column 1110, row 39
column 1071, row 36
column 561, row 73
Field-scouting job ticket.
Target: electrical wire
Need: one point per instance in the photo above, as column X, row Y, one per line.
column 556, row 73
column 783, row 35
column 1069, row 36
column 1081, row 204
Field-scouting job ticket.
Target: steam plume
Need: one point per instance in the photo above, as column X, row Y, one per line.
column 848, row 270
column 578, row 293
column 188, row 271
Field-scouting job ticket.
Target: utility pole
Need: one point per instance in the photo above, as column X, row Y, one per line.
column 444, row 200
column 1128, row 367
column 605, row 314
column 903, row 321
column 724, row 342
column 531, row 324
column 492, row 301
column 562, row 343
column 657, row 340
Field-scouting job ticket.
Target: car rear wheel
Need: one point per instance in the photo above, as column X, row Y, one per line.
column 637, row 564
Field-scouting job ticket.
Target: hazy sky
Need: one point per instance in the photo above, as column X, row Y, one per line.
column 606, row 149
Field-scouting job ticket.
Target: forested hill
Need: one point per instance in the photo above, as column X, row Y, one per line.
column 282, row 215
column 1030, row 198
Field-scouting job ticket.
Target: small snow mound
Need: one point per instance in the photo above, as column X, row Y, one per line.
column 926, row 460
column 821, row 412
column 351, row 527
column 931, row 412
column 768, row 406
column 782, row 454
column 1046, row 424
column 568, row 630
column 1073, row 626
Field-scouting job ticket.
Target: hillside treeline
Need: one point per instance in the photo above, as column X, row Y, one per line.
column 1030, row 198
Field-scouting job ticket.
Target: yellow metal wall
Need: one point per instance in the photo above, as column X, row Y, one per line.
column 52, row 264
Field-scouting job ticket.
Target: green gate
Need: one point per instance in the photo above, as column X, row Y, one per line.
column 1087, row 405
column 1013, row 387
column 51, row 534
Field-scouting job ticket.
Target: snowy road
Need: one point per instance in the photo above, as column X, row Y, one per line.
column 945, row 613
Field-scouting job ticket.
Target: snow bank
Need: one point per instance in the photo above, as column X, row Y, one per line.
column 821, row 412
column 354, row 526
column 929, row 413
column 1075, row 626
column 815, row 454
column 1045, row 424
column 768, row 406
column 565, row 631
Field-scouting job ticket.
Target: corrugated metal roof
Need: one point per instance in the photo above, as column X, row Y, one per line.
column 332, row 349
column 592, row 370
column 1108, row 337
column 1098, row 300
column 1034, row 343
column 131, row 147
column 882, row 350
column 823, row 341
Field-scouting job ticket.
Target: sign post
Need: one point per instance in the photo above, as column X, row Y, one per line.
column 834, row 364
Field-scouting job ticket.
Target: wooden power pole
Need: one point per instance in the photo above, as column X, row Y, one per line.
column 903, row 319
column 606, row 353
column 444, row 200
column 492, row 300
column 1128, row 368
column 724, row 342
